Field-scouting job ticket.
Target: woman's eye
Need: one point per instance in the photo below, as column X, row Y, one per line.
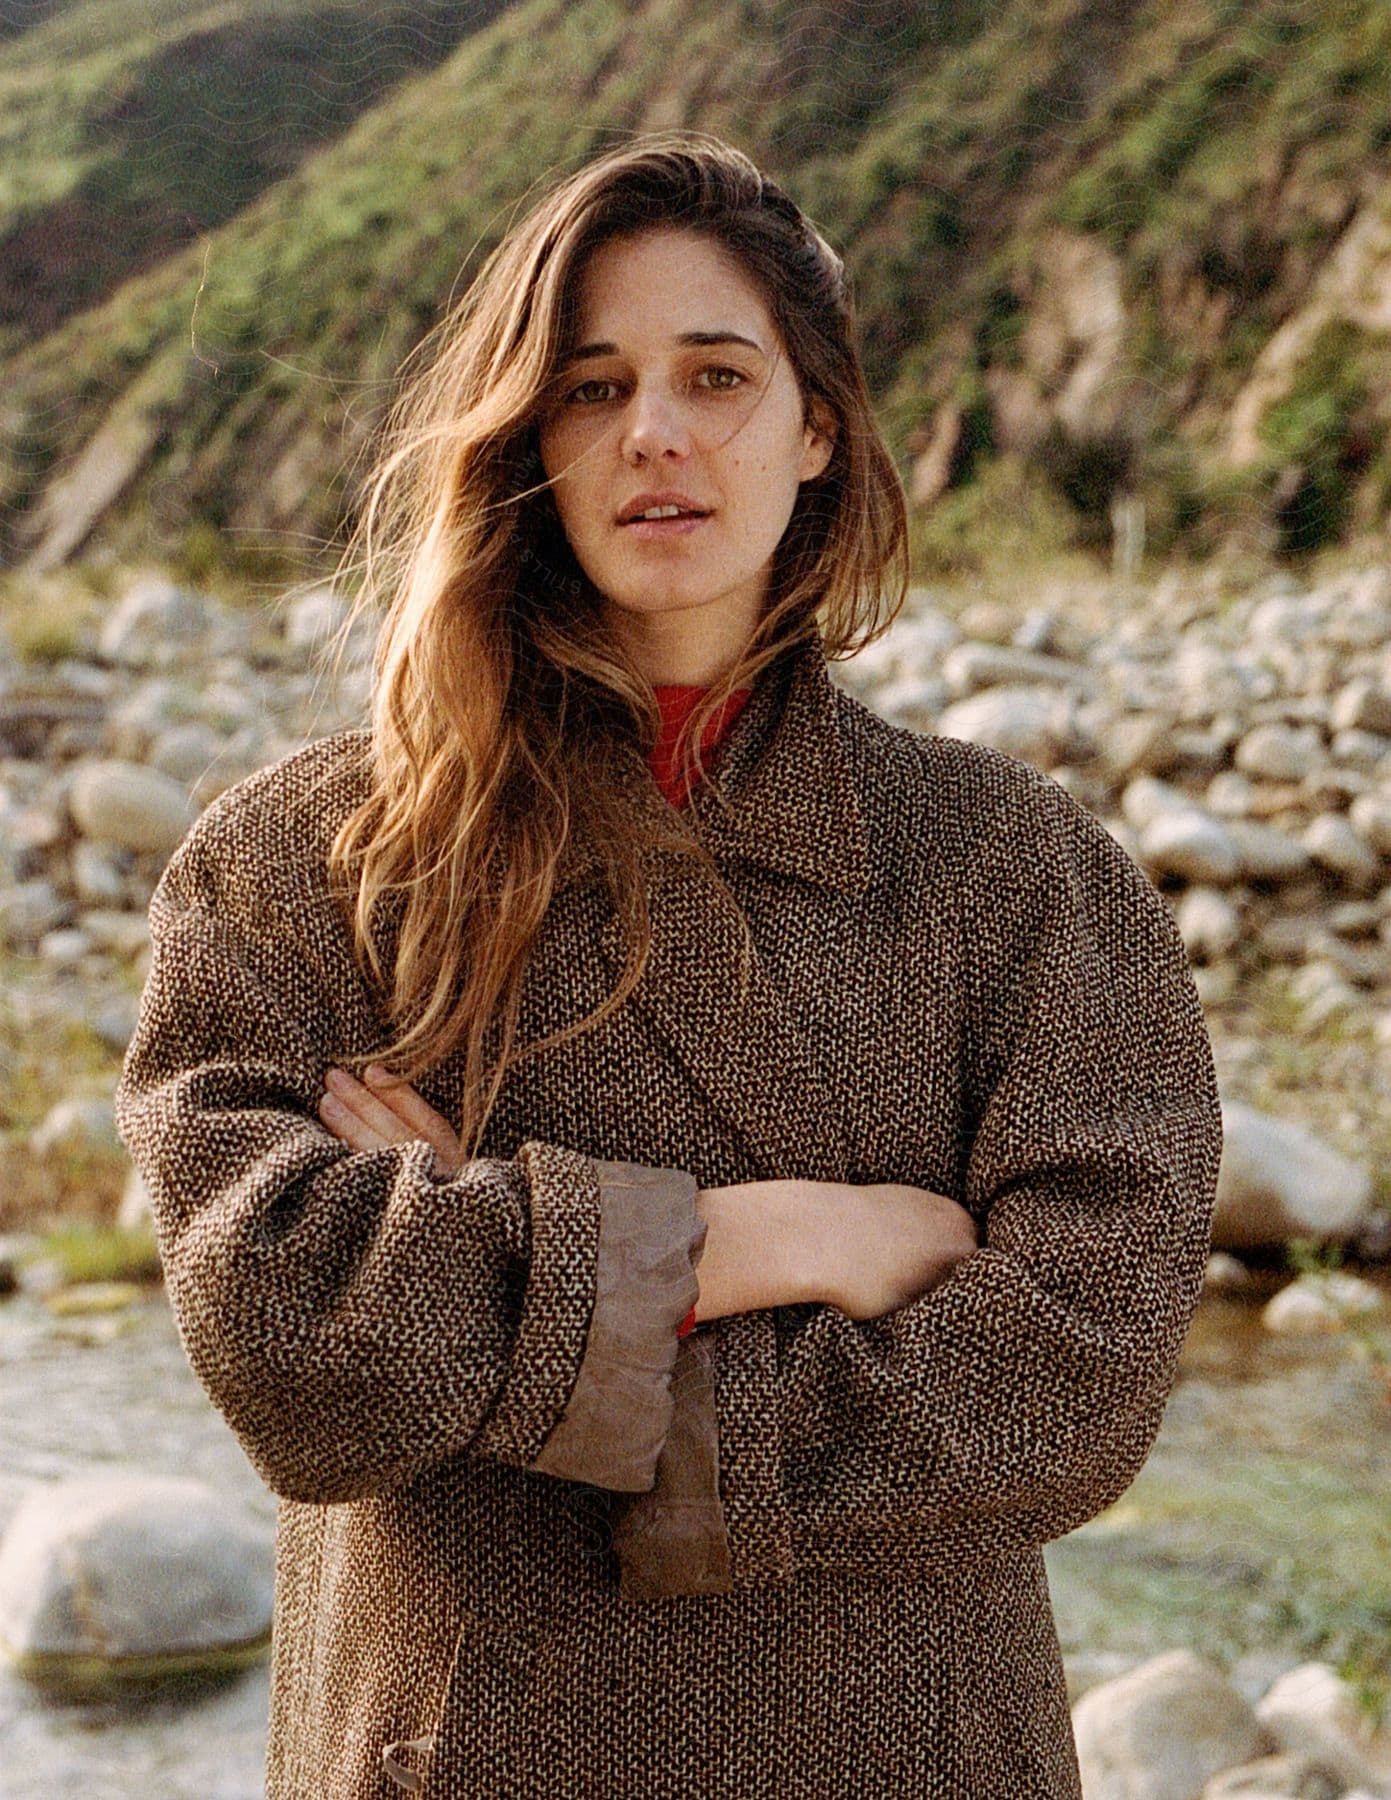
column 736, row 373
column 577, row 394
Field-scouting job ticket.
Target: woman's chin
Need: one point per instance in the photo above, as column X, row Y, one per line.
column 652, row 598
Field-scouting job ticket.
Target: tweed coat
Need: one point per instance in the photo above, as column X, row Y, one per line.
column 530, row 1543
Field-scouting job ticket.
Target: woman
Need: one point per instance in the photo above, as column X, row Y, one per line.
column 793, row 1182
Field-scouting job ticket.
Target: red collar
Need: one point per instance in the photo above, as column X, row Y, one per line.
column 677, row 701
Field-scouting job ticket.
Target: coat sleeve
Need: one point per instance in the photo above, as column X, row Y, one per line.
column 1020, row 1396
column 353, row 1316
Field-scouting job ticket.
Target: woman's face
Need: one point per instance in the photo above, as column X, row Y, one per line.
column 641, row 408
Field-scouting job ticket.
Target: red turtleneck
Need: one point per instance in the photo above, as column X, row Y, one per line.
column 677, row 701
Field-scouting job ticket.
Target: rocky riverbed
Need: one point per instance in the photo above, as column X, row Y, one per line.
column 1237, row 742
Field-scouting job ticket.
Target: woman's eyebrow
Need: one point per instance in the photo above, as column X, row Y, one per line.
column 685, row 337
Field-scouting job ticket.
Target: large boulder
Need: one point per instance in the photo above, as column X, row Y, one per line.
column 1034, row 723
column 1312, row 1711
column 1278, row 1181
column 121, row 1575
column 124, row 803
column 156, row 623
column 1163, row 1729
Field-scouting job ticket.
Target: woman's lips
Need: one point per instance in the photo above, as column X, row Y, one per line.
column 657, row 529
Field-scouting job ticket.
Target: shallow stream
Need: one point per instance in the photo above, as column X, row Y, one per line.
column 1258, row 1532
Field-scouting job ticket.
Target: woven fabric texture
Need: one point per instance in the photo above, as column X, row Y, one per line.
column 960, row 982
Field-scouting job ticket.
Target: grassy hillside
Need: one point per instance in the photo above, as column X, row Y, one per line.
column 17, row 16
column 1102, row 249
column 128, row 130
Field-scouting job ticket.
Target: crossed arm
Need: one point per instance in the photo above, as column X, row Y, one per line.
column 863, row 1249
column 354, row 1331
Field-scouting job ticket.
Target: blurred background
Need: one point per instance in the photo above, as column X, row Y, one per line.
column 1123, row 274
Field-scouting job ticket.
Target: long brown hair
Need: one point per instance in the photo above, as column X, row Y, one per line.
column 501, row 705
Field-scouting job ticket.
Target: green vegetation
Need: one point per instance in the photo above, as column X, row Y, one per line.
column 1327, row 426
column 47, row 621
column 1006, row 518
column 1268, row 1551
column 91, row 1252
column 140, row 126
column 1277, row 1546
column 44, row 1060
column 237, row 337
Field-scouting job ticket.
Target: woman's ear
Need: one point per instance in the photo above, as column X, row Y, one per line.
column 818, row 438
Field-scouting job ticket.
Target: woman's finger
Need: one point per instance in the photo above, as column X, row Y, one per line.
column 375, row 1114
column 403, row 1100
column 393, row 1113
column 357, row 1135
column 348, row 1125
column 420, row 1116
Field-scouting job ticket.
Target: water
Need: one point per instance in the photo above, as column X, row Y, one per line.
column 1258, row 1531
column 108, row 1391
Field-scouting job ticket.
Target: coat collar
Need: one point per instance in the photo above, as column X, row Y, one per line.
column 723, row 1015
column 790, row 799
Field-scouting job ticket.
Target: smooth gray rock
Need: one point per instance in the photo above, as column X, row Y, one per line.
column 1363, row 704
column 1370, row 815
column 1278, row 1180
column 1312, row 1711
column 155, row 624
column 127, row 804
column 1320, row 1301
column 1162, row 1730
column 1266, row 852
column 1033, row 724
column 1334, row 844
column 1280, row 752
column 1208, row 923
column 96, row 874
column 123, row 1564
column 1193, row 846
column 973, row 666
column 1366, row 751
column 80, row 1123
column 28, row 909
column 1146, row 798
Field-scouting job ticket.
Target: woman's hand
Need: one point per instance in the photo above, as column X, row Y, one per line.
column 385, row 1111
column 865, row 1250
column 887, row 1243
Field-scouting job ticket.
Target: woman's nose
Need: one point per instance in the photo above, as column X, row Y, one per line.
column 655, row 423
